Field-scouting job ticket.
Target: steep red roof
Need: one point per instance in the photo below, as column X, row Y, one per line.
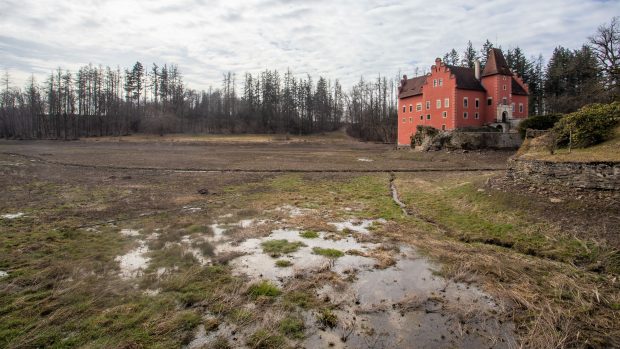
column 412, row 87
column 496, row 63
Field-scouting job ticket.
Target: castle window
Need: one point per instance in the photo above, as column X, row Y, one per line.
column 421, row 117
column 504, row 78
column 438, row 103
column 404, row 120
column 440, row 82
column 410, row 119
column 428, row 105
column 476, row 116
column 465, row 115
column 444, row 114
column 410, row 108
column 477, row 103
column 505, row 101
column 428, row 117
column 512, row 107
column 435, row 83
column 443, row 127
column 465, row 102
column 504, row 87
column 404, row 109
column 520, row 107
column 490, row 101
column 446, row 102
column 418, row 106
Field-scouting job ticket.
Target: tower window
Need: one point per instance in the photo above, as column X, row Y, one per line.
column 490, row 101
column 444, row 114
column 428, row 105
column 428, row 117
column 438, row 103
column 446, row 102
column 465, row 102
column 410, row 108
column 477, row 103
column 465, row 115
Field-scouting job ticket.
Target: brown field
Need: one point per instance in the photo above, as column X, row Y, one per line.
column 262, row 243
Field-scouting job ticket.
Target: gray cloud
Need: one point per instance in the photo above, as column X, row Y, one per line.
column 341, row 39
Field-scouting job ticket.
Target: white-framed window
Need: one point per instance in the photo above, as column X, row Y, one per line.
column 520, row 107
column 505, row 101
column 504, row 78
column 504, row 87
column 418, row 106
column 465, row 115
column 428, row 117
column 440, row 82
column 438, row 103
column 404, row 120
column 443, row 127
column 428, row 105
column 404, row 109
column 411, row 119
column 477, row 103
column 410, row 108
column 512, row 107
column 477, row 116
column 446, row 103
column 490, row 101
column 421, row 117
column 434, row 82
column 444, row 114
column 465, row 102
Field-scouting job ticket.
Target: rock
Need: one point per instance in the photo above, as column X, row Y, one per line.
column 203, row 191
column 556, row 200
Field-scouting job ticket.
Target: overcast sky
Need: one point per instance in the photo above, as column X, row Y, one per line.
column 337, row 39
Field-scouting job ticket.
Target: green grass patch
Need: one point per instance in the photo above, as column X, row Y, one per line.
column 328, row 252
column 283, row 263
column 264, row 289
column 264, row 339
column 309, row 234
column 292, row 327
column 327, row 318
column 276, row 248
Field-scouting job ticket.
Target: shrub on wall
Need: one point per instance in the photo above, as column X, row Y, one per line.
column 538, row 122
column 421, row 133
column 588, row 126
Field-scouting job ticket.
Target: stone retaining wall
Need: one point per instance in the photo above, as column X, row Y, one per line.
column 591, row 175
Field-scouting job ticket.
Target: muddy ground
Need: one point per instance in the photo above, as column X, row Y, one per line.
column 128, row 250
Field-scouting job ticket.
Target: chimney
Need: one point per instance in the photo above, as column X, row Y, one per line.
column 477, row 69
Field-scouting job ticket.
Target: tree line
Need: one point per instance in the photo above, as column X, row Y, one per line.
column 104, row 101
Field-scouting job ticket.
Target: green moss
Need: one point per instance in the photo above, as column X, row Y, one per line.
column 327, row 252
column 283, row 263
column 275, row 248
column 199, row 229
column 309, row 234
column 263, row 288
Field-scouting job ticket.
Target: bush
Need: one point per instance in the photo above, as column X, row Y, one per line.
column 422, row 132
column 538, row 122
column 590, row 125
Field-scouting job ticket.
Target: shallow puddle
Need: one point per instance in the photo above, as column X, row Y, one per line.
column 259, row 265
column 13, row 215
column 407, row 306
column 134, row 262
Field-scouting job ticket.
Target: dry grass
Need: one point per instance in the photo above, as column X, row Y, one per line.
column 330, row 137
column 606, row 151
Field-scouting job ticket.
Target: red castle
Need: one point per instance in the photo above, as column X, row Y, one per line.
column 451, row 97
